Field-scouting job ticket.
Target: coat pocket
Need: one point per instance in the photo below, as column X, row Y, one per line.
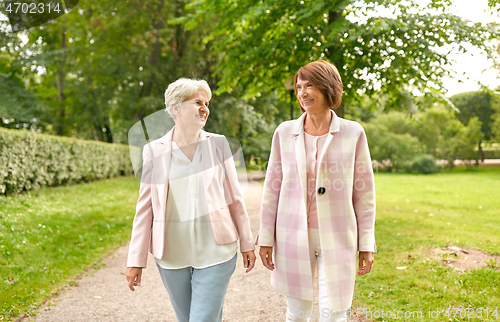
column 157, row 239
column 223, row 227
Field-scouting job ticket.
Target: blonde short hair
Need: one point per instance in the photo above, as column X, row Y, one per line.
column 180, row 90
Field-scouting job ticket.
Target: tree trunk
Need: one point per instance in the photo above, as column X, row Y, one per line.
column 98, row 133
column 60, row 86
column 153, row 62
column 335, row 53
column 480, row 150
column 109, row 134
column 180, row 38
column 154, row 58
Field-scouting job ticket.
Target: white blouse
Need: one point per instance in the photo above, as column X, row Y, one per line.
column 189, row 240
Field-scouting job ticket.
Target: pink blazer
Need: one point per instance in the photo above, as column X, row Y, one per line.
column 346, row 209
column 227, row 212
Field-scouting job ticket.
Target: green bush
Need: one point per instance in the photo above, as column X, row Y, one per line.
column 424, row 164
column 395, row 139
column 398, row 122
column 492, row 150
column 392, row 150
column 443, row 136
column 29, row 160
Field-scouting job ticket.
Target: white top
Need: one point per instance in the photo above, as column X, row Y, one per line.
column 189, row 239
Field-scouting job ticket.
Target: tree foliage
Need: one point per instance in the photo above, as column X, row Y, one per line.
column 383, row 46
column 446, row 138
column 480, row 105
column 103, row 67
column 116, row 64
column 493, row 4
column 396, row 140
column 496, row 127
column 19, row 106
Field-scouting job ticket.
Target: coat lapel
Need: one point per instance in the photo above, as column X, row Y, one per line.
column 300, row 152
column 334, row 127
column 300, row 148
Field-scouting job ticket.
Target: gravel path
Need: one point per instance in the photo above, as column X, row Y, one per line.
column 103, row 295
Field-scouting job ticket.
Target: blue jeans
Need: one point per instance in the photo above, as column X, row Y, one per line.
column 197, row 295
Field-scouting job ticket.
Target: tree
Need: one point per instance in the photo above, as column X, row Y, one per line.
column 446, row 138
column 251, row 122
column 113, row 64
column 395, row 139
column 20, row 107
column 496, row 127
column 480, row 104
column 493, row 4
column 383, row 46
column 393, row 150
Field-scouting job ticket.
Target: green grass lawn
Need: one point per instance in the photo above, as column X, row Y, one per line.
column 49, row 236
column 419, row 212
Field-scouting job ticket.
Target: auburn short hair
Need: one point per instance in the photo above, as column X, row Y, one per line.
column 326, row 77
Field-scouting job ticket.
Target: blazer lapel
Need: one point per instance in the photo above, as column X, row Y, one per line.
column 300, row 152
column 161, row 166
column 207, row 158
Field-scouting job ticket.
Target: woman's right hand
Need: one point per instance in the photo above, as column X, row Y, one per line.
column 266, row 255
column 133, row 275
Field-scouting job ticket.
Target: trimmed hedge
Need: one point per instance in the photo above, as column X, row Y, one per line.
column 30, row 160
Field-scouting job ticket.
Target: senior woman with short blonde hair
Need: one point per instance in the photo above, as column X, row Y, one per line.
column 190, row 210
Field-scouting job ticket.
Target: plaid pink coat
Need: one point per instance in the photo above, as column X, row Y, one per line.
column 346, row 211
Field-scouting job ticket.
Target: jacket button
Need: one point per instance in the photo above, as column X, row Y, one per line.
column 321, row 190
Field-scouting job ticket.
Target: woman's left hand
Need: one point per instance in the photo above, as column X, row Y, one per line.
column 248, row 260
column 366, row 267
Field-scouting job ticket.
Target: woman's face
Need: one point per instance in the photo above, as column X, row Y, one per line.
column 310, row 97
column 194, row 110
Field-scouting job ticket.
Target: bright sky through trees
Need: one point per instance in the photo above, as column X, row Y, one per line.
column 474, row 64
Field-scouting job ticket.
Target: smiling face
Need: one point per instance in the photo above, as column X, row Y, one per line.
column 194, row 111
column 310, row 97
column 324, row 79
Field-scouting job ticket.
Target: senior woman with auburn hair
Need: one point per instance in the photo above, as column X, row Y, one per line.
column 190, row 210
column 318, row 204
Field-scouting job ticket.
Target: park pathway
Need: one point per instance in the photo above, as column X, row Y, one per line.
column 103, row 295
